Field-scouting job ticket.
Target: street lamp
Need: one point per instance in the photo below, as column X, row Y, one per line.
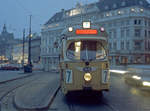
column 28, row 67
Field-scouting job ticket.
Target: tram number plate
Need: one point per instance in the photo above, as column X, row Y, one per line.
column 104, row 76
column 68, row 76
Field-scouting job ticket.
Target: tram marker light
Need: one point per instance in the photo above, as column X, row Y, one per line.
column 102, row 29
column 70, row 29
column 86, row 24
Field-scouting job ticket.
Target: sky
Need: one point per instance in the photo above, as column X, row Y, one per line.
column 15, row 13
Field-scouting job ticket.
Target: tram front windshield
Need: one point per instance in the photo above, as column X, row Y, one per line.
column 86, row 50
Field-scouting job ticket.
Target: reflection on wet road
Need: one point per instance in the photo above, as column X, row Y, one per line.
column 121, row 97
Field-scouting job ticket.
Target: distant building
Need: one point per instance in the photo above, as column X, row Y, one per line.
column 18, row 52
column 6, row 45
column 126, row 21
column 35, row 48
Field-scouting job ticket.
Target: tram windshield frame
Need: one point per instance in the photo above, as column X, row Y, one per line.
column 86, row 50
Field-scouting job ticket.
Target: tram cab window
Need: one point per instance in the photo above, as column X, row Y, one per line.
column 86, row 50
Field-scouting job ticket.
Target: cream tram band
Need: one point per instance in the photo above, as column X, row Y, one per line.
column 84, row 62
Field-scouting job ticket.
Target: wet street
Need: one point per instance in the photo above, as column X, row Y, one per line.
column 121, row 97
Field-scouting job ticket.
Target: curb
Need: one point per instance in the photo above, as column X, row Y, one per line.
column 45, row 107
column 17, row 78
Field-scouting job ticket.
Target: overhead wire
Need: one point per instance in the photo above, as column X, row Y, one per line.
column 29, row 12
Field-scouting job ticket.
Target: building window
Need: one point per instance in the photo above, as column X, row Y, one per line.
column 139, row 22
column 137, row 32
column 141, row 3
column 127, row 45
column 135, row 22
column 110, row 47
column 115, row 45
column 106, row 7
column 145, row 33
column 127, row 33
column 115, row 34
column 137, row 45
column 127, row 22
column 149, row 23
column 114, row 5
column 122, row 23
column 145, row 22
column 122, row 33
column 114, row 24
column 149, row 33
column 109, row 24
column 122, row 45
column 123, row 3
column 110, row 34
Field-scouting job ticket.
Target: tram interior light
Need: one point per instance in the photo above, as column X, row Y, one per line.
column 86, row 24
column 78, row 44
column 77, row 49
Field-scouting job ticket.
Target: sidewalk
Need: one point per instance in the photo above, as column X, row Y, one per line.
column 6, row 76
column 11, row 75
column 38, row 94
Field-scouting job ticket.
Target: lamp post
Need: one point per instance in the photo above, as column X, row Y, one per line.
column 29, row 51
column 28, row 67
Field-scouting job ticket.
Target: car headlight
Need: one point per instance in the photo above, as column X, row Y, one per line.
column 136, row 77
column 87, row 77
column 145, row 83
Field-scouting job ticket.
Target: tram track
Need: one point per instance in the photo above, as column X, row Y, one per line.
column 107, row 107
column 11, row 86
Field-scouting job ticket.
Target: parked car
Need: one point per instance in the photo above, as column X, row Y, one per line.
column 9, row 68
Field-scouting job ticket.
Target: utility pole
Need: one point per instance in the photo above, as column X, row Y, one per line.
column 23, row 47
column 30, row 35
column 28, row 67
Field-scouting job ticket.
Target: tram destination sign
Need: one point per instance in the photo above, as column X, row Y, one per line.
column 86, row 32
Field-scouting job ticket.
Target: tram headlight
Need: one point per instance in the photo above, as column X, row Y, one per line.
column 87, row 77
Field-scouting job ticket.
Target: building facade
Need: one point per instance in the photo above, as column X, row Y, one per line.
column 18, row 52
column 126, row 21
column 35, row 48
column 6, row 45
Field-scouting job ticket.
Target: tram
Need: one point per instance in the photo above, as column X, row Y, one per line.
column 84, row 64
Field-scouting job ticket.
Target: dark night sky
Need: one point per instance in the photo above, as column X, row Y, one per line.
column 15, row 13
